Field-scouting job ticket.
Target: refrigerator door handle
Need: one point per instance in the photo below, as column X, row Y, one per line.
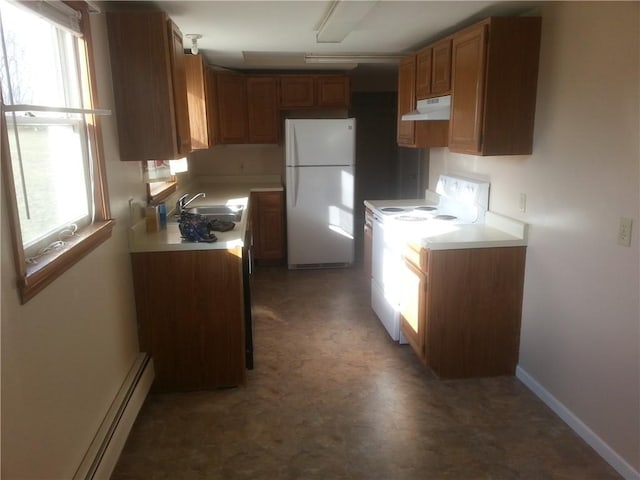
column 292, row 163
column 293, row 181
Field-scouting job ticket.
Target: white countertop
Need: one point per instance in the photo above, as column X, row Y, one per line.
column 497, row 231
column 219, row 191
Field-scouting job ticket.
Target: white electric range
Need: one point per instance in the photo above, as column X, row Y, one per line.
column 456, row 203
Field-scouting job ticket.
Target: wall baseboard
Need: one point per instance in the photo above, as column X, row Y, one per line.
column 588, row 435
column 104, row 451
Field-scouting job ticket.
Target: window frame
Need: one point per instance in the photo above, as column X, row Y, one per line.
column 34, row 277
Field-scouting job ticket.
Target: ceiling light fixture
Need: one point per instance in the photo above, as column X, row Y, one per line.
column 342, row 18
column 353, row 58
column 194, row 37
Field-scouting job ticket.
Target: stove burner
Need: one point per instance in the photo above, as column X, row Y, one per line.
column 445, row 217
column 426, row 209
column 392, row 209
column 412, row 218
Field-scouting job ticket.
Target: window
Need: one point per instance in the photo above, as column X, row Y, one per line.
column 51, row 155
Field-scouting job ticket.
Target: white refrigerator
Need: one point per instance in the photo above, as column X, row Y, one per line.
column 319, row 177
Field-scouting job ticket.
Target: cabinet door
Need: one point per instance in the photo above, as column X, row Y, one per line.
column 334, row 91
column 143, row 90
column 406, row 100
column 423, row 73
column 268, row 226
column 262, row 109
column 412, row 287
column 232, row 108
column 197, row 102
column 468, row 67
column 179, row 78
column 192, row 328
column 441, row 68
column 212, row 106
column 297, row 91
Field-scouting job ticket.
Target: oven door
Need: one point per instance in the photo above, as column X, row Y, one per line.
column 385, row 263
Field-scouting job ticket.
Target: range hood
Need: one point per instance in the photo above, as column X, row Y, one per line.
column 437, row 108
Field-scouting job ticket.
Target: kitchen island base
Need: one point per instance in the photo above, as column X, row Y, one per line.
column 191, row 317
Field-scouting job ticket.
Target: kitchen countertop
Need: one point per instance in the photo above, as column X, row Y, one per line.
column 497, row 231
column 219, row 191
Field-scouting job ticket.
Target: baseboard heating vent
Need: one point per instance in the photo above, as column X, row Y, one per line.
column 102, row 455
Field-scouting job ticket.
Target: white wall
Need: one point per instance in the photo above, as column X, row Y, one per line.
column 238, row 160
column 580, row 326
column 67, row 351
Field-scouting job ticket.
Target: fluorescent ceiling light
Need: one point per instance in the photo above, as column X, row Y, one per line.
column 352, row 58
column 343, row 17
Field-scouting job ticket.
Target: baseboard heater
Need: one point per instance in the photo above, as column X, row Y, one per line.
column 104, row 451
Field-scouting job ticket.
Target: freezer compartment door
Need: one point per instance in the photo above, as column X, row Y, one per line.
column 320, row 142
column 319, row 216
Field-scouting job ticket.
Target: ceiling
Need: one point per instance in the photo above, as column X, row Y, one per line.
column 249, row 35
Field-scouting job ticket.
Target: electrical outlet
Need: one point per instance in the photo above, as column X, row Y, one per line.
column 624, row 232
column 523, row 202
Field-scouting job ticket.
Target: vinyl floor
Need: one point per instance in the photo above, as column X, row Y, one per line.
column 332, row 397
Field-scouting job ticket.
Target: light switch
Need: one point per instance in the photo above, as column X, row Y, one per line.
column 523, row 202
column 624, row 231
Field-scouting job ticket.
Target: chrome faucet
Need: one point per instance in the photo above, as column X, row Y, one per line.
column 182, row 202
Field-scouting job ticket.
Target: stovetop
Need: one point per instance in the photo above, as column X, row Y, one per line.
column 421, row 214
column 458, row 200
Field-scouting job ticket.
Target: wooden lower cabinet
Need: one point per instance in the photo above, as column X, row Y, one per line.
column 190, row 317
column 412, row 306
column 462, row 308
column 267, row 218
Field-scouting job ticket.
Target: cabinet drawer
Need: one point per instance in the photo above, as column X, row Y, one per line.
column 417, row 255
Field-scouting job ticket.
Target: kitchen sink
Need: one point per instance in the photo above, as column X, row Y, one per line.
column 227, row 213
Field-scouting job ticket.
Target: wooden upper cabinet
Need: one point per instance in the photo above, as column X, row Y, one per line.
column 262, row 109
column 211, row 87
column 334, row 91
column 433, row 70
column 423, row 73
column 197, row 101
column 468, row 87
column 148, row 71
column 232, row 108
column 494, row 82
column 417, row 134
column 310, row 91
column 406, row 100
column 441, row 68
column 179, row 77
column 297, row 91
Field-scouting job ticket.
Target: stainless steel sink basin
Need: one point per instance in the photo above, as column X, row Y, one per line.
column 227, row 213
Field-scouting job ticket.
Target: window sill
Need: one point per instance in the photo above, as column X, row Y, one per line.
column 52, row 265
